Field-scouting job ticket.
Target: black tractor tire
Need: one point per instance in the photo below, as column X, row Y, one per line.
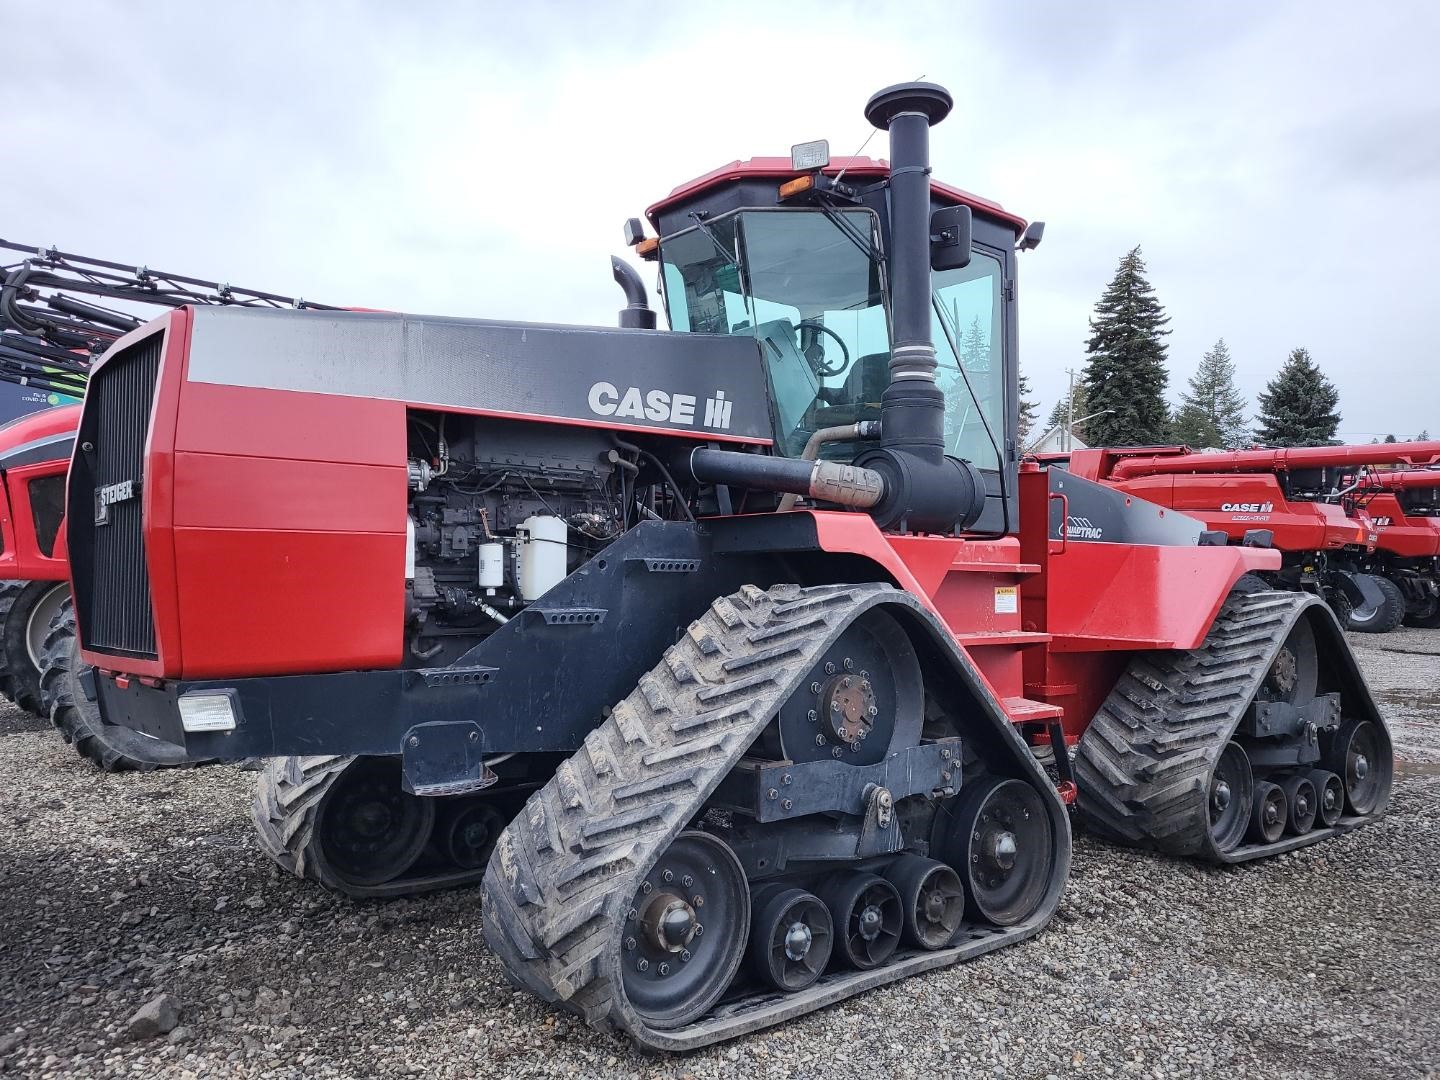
column 22, row 603
column 109, row 746
column 1388, row 615
column 9, row 590
column 1426, row 619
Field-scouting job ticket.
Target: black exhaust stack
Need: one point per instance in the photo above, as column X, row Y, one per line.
column 908, row 483
column 925, row 491
column 637, row 313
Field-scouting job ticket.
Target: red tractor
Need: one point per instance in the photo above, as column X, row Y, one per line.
column 1404, row 508
column 1301, row 500
column 49, row 336
column 724, row 657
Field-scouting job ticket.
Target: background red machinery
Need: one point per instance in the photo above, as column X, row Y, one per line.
column 1404, row 508
column 1303, row 501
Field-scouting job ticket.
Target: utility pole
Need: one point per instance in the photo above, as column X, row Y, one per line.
column 1069, row 412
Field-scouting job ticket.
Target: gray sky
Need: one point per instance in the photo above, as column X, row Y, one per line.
column 1280, row 162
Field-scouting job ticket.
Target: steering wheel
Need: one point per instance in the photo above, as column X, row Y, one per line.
column 824, row 370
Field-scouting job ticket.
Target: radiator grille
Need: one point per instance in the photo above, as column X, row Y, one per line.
column 121, row 618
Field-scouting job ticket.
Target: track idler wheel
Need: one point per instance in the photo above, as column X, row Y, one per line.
column 685, row 931
column 372, row 830
column 1360, row 753
column 468, row 831
column 998, row 838
column 1329, row 796
column 1231, row 794
column 1302, row 803
column 791, row 937
column 1268, row 814
column 865, row 909
column 931, row 899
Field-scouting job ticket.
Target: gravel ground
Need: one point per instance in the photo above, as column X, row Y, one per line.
column 115, row 889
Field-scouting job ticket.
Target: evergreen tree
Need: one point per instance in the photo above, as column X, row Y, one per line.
column 1298, row 406
column 1212, row 412
column 1125, row 377
column 975, row 347
column 1027, row 409
column 1424, row 436
column 1061, row 412
column 1391, row 439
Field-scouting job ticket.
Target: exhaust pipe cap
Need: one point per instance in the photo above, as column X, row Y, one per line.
column 931, row 99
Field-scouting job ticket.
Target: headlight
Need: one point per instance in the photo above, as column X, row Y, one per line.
column 207, row 712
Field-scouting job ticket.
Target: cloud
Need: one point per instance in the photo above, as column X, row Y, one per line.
column 1277, row 162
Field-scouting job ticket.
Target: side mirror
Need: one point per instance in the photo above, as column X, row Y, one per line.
column 950, row 238
column 1033, row 234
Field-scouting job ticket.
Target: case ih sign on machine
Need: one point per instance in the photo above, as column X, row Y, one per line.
column 723, row 658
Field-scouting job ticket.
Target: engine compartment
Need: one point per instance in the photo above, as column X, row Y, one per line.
column 501, row 510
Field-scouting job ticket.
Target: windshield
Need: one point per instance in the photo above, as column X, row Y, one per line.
column 806, row 287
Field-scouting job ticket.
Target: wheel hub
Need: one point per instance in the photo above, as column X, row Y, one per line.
column 871, row 920
column 669, row 922
column 1361, row 767
column 1220, row 796
column 1285, row 672
column 1003, row 849
column 847, row 703
column 798, row 939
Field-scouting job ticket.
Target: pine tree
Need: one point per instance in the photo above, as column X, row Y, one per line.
column 1298, row 406
column 1062, row 411
column 1212, row 412
column 1424, row 436
column 975, row 347
column 1391, row 439
column 1027, row 409
column 1125, row 377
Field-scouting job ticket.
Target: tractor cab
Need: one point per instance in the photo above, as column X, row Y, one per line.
column 798, row 260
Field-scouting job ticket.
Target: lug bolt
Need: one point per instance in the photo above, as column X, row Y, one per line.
column 413, row 741
column 667, row 875
column 787, row 779
column 864, row 674
column 632, row 914
column 699, row 929
column 834, row 706
column 945, row 754
column 664, row 968
column 855, row 747
column 872, row 712
column 836, row 752
column 699, row 902
column 812, row 716
column 645, row 887
column 686, row 881
column 849, row 664
column 819, row 740
column 630, row 943
column 772, row 794
column 684, row 956
column 829, row 668
column 814, row 688
column 787, row 804
column 642, row 964
column 845, row 682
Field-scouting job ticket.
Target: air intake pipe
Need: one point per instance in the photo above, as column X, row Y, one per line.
column 909, row 483
column 637, row 313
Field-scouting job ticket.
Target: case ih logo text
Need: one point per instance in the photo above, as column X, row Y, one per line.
column 109, row 495
column 1381, row 522
column 1247, row 508
column 1082, row 528
column 659, row 405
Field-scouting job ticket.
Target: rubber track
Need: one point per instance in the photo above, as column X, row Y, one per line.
column 111, row 748
column 557, row 890
column 1143, row 766
column 9, row 590
column 285, row 810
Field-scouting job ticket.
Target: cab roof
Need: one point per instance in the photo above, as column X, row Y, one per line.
column 779, row 168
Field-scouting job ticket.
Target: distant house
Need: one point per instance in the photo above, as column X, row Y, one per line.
column 1055, row 442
